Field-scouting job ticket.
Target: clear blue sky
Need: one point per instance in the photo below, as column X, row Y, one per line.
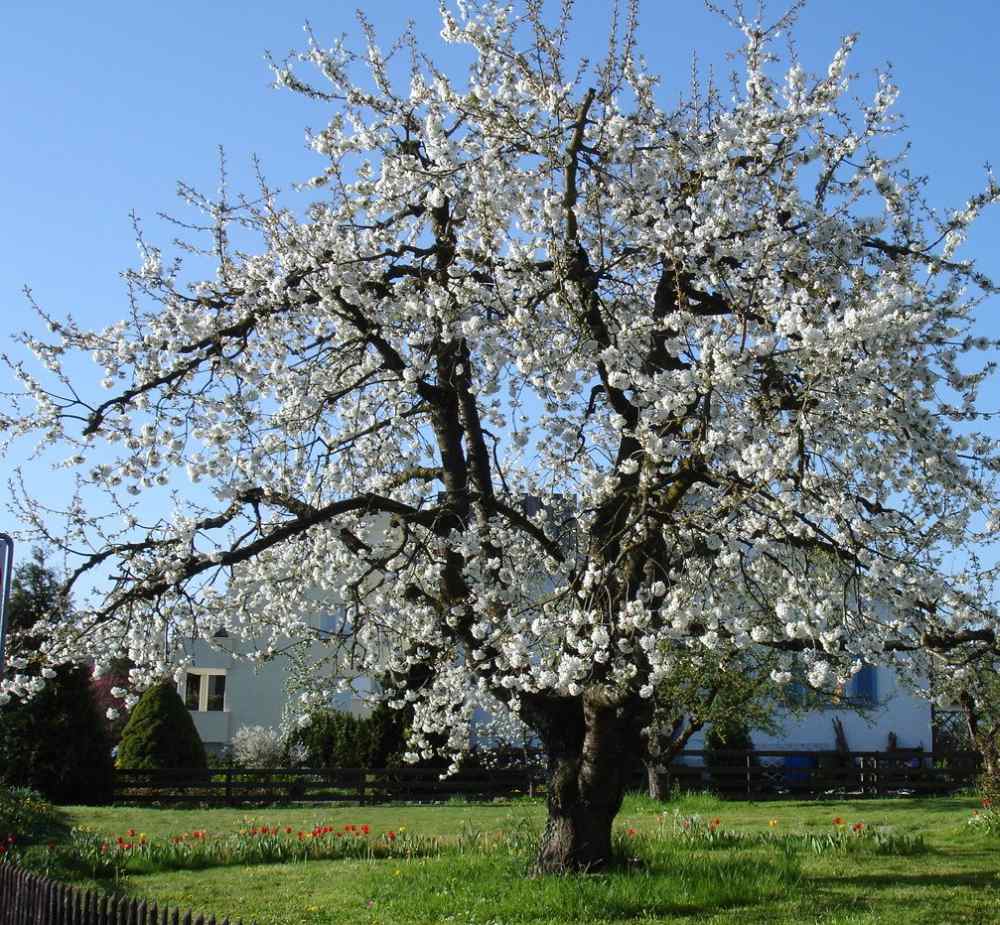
column 108, row 104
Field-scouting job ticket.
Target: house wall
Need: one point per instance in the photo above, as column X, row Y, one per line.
column 898, row 710
column 255, row 692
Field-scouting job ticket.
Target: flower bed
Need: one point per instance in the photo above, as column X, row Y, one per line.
column 986, row 819
column 843, row 837
column 133, row 852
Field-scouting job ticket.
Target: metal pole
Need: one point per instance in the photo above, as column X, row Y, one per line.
column 6, row 567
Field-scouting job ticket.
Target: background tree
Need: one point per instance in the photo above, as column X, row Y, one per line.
column 715, row 340
column 731, row 692
column 37, row 595
column 54, row 742
column 975, row 687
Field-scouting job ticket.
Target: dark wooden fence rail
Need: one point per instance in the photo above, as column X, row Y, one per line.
column 31, row 899
column 861, row 773
column 232, row 786
column 736, row 773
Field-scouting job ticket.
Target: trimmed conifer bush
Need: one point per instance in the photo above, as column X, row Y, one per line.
column 335, row 739
column 160, row 733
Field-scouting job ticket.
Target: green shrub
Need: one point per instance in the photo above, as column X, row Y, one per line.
column 160, row 733
column 56, row 743
column 334, row 739
column 27, row 816
column 387, row 736
column 721, row 738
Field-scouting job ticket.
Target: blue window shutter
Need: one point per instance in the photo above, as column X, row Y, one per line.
column 864, row 686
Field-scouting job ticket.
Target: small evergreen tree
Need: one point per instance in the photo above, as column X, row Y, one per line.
column 387, row 732
column 56, row 742
column 160, row 733
column 334, row 739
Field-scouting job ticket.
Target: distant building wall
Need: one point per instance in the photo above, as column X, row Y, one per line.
column 896, row 709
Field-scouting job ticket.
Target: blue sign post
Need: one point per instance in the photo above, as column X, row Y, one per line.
column 6, row 567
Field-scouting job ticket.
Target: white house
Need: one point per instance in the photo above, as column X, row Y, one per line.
column 224, row 692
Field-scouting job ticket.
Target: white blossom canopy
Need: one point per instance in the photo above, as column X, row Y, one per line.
column 549, row 383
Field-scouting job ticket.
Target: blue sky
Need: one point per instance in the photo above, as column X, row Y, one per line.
column 107, row 105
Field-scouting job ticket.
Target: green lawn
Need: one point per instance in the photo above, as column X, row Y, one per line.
column 478, row 872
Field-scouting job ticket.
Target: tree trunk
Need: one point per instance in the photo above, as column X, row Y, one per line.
column 985, row 741
column 654, row 779
column 591, row 748
column 681, row 731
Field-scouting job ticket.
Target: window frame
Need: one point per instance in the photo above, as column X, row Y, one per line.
column 203, row 674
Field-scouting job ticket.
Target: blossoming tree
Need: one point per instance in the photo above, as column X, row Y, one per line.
column 727, row 347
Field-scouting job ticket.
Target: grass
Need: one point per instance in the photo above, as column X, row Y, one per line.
column 478, row 872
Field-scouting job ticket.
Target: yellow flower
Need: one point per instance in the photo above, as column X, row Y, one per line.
column 772, row 822
column 396, row 872
column 401, row 829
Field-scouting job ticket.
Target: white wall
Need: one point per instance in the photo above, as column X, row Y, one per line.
column 255, row 693
column 899, row 710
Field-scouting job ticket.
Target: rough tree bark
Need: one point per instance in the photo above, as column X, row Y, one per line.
column 684, row 727
column 592, row 745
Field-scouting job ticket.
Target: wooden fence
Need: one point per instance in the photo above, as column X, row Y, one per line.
column 232, row 786
column 863, row 773
column 30, row 899
column 734, row 774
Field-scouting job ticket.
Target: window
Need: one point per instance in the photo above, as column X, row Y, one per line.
column 205, row 689
column 863, row 687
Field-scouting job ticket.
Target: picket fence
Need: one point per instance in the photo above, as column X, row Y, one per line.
column 31, row 899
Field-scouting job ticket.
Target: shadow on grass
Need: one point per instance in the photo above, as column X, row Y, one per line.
column 973, row 878
column 657, row 881
column 926, row 804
